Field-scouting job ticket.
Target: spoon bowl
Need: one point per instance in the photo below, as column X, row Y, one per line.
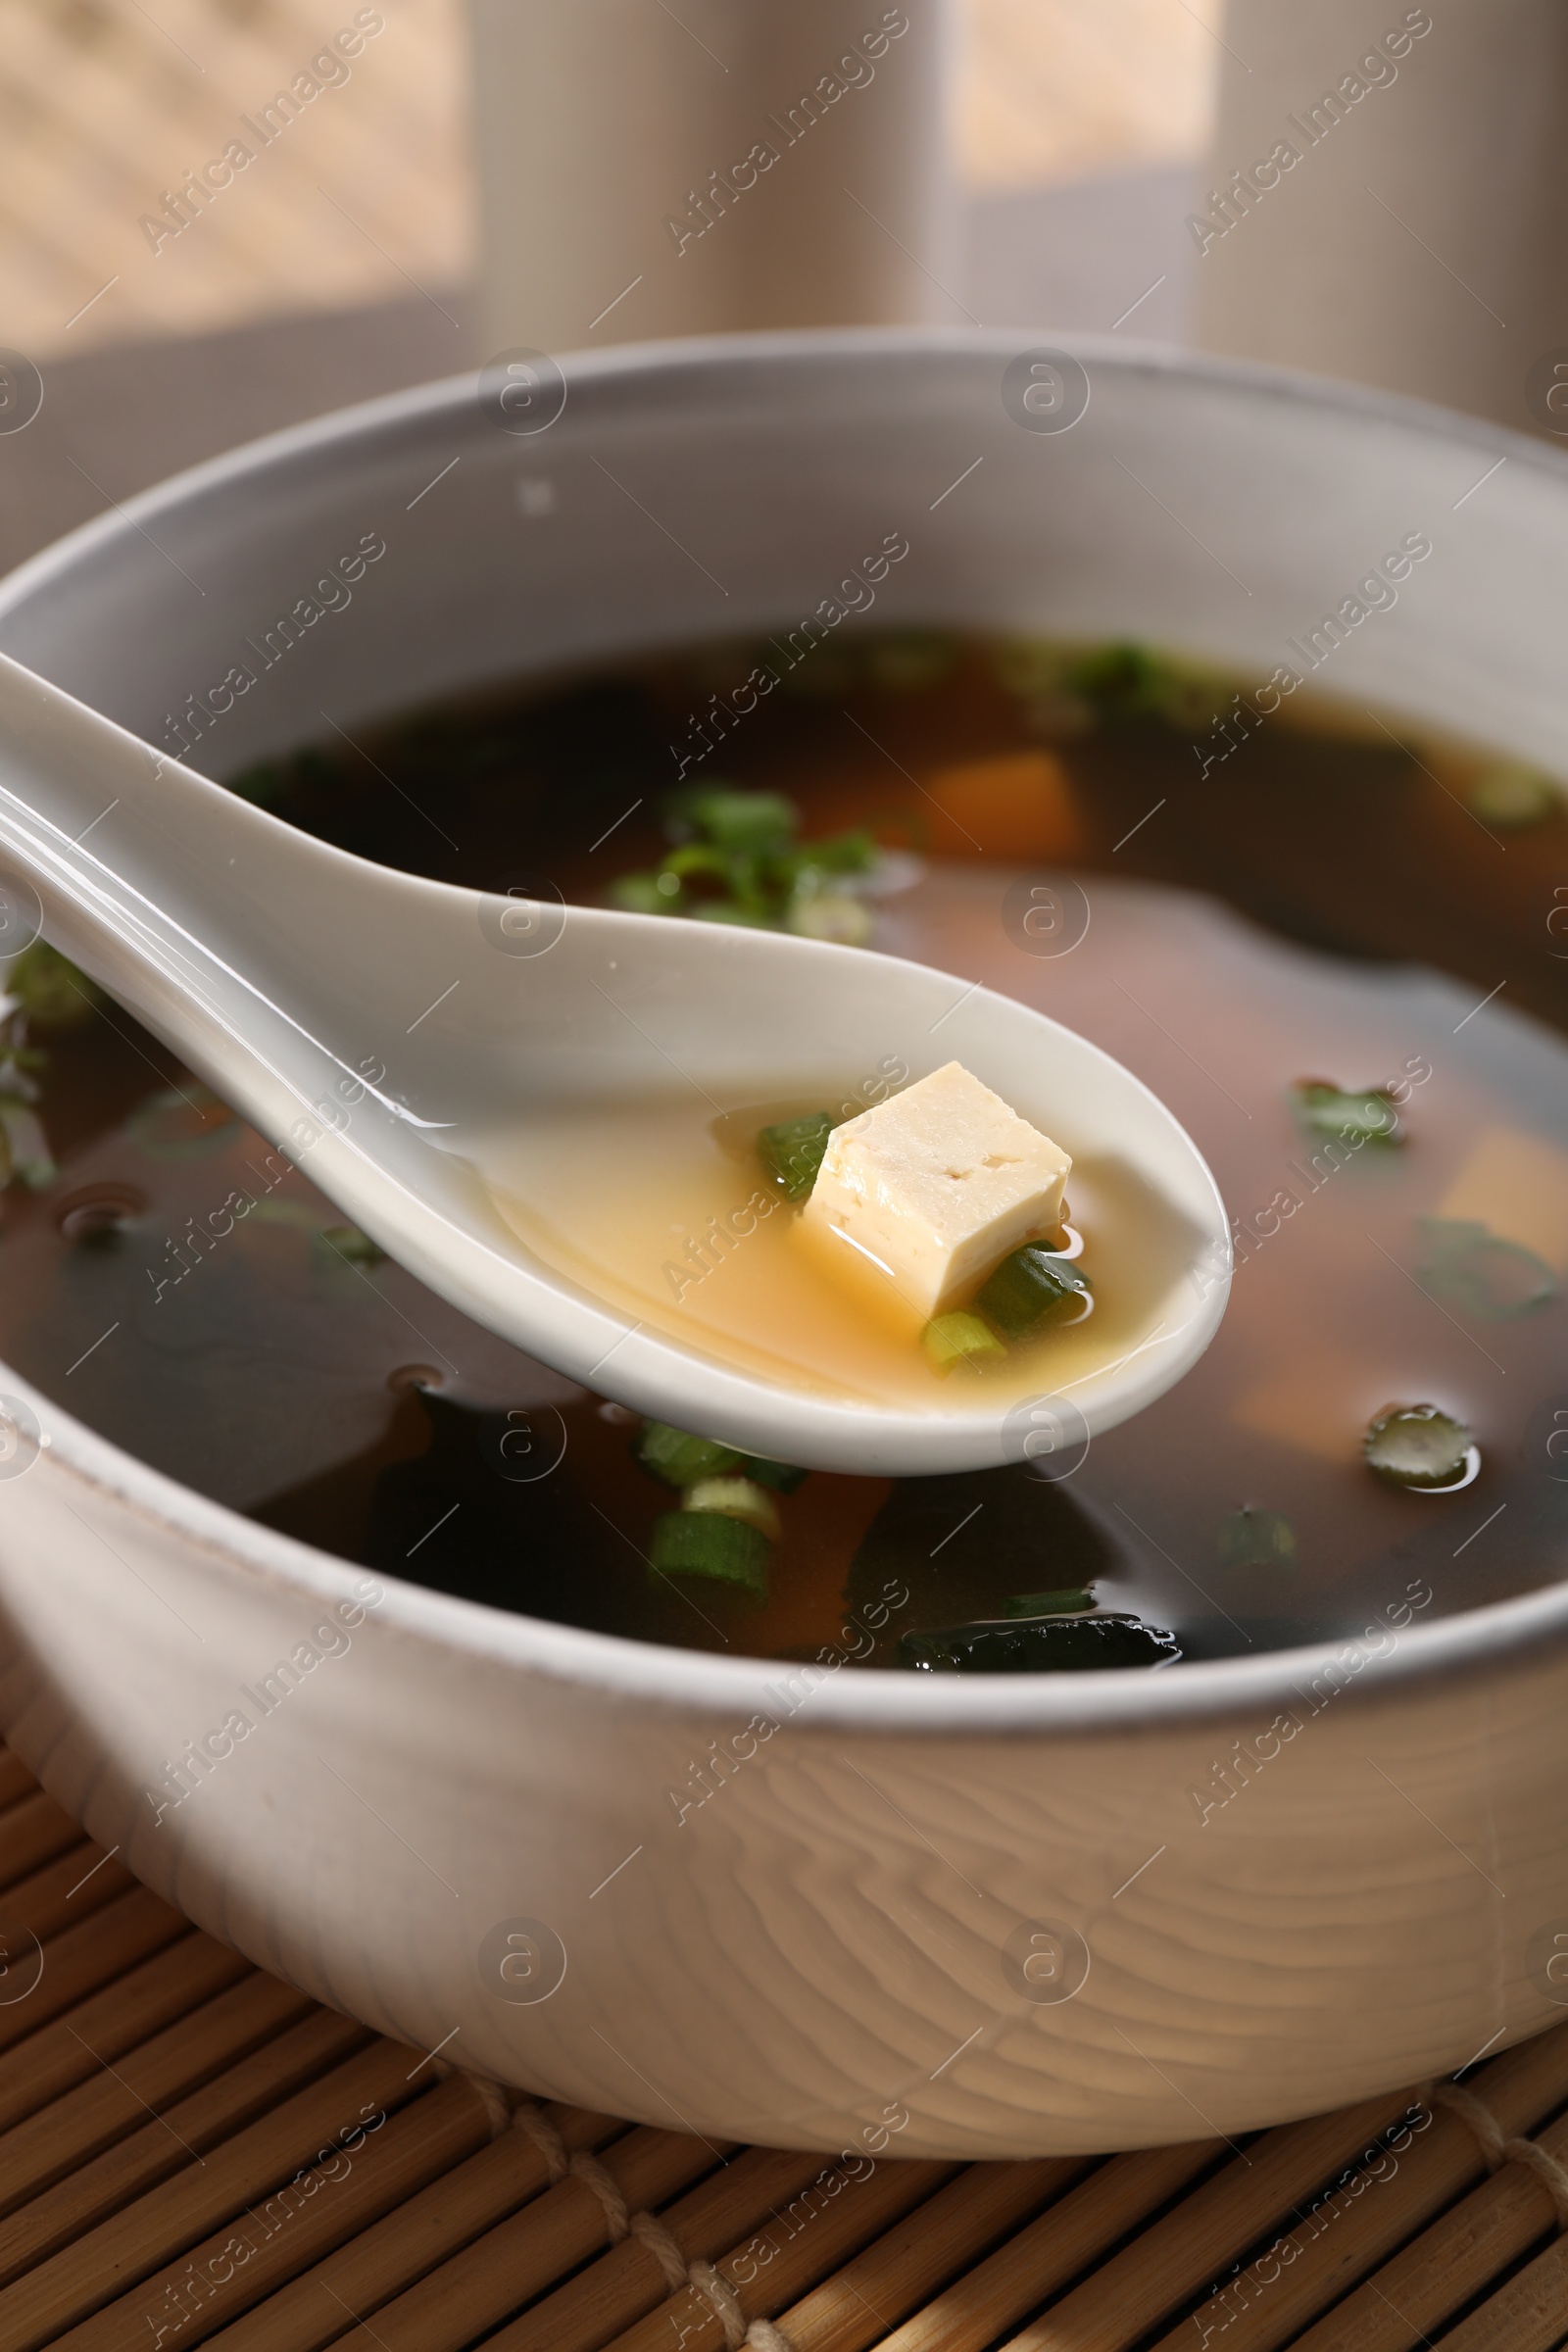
column 371, row 1023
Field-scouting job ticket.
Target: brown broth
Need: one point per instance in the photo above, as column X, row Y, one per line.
column 1323, row 903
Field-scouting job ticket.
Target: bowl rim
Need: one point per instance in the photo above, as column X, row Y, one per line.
column 1466, row 1647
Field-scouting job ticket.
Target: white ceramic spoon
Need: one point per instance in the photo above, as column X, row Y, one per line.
column 358, row 1017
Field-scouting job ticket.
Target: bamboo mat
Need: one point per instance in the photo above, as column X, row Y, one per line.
column 191, row 2152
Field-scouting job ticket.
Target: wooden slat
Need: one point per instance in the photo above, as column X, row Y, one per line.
column 1448, row 2265
column 1066, row 2239
column 1349, row 2233
column 15, row 1778
column 118, row 2099
column 138, row 2240
column 85, row 1957
column 861, row 2303
column 32, row 1831
column 1529, row 2315
column 1132, row 2293
column 74, row 1885
column 171, row 2140
column 818, row 2230
column 245, row 2260
column 523, row 2255
column 622, row 2285
column 413, row 2241
column 141, row 2000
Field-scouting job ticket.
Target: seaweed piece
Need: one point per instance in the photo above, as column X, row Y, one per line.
column 960, row 1543
column 1039, row 1646
column 1073, row 1603
column 448, row 1520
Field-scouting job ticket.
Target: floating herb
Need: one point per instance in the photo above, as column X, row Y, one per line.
column 735, row 1499
column 1418, row 1446
column 736, row 857
column 948, row 1341
column 711, row 1544
column 1367, row 1117
column 1032, row 1288
column 679, row 1458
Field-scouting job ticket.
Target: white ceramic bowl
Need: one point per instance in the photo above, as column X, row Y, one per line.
column 895, row 1877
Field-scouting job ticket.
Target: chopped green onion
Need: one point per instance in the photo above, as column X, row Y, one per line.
column 1122, row 681
column 697, row 858
column 852, row 852
column 709, row 1544
column 1368, row 1117
column 736, row 859
column 679, row 1458
column 1071, row 1603
column 1030, row 1289
column 782, row 1476
column 1255, row 1539
column 735, row 1499
column 760, row 822
column 1051, row 1645
column 959, row 1339
column 791, row 1152
column 1417, row 1445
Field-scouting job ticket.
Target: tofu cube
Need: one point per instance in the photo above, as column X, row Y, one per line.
column 936, row 1186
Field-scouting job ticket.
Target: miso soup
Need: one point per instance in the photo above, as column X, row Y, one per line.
column 1335, row 943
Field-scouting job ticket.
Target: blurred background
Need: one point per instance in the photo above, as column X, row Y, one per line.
column 106, row 105
column 1091, row 165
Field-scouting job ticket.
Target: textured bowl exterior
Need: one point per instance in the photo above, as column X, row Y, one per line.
column 805, row 1905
